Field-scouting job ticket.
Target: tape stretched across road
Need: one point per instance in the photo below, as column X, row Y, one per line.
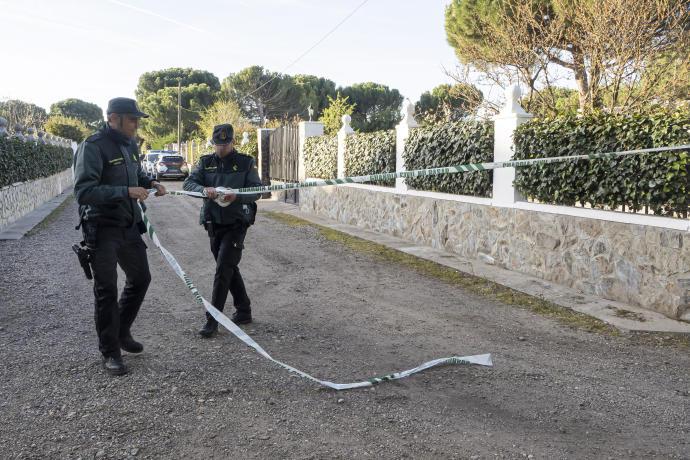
column 431, row 172
column 483, row 360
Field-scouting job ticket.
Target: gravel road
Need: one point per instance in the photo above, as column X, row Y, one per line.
column 554, row 391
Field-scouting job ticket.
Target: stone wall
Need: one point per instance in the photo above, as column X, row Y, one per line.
column 641, row 265
column 20, row 198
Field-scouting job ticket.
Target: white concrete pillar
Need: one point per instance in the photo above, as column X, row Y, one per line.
column 18, row 129
column 511, row 116
column 306, row 129
column 402, row 132
column 30, row 137
column 345, row 131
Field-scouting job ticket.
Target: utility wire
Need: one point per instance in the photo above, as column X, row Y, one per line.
column 321, row 40
column 312, row 47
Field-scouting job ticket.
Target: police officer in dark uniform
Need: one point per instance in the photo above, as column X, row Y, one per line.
column 108, row 183
column 226, row 218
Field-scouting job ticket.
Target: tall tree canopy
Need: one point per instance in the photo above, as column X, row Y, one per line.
column 90, row 114
column 23, row 113
column 262, row 94
column 611, row 49
column 161, row 107
column 152, row 82
column 448, row 102
column 157, row 96
column 377, row 107
column 314, row 91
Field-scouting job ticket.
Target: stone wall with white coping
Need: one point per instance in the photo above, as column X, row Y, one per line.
column 20, row 198
column 643, row 265
column 638, row 259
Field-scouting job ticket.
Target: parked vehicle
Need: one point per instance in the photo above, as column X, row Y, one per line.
column 149, row 162
column 171, row 166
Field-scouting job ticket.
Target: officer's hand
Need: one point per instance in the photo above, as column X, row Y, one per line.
column 211, row 192
column 229, row 198
column 160, row 189
column 139, row 193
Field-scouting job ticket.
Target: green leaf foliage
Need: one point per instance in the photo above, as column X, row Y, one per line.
column 224, row 111
column 333, row 114
column 157, row 96
column 657, row 180
column 90, row 114
column 448, row 103
column 152, row 82
column 67, row 127
column 321, row 157
column 451, row 144
column 263, row 95
column 24, row 161
column 315, row 91
column 377, row 107
column 24, row 113
column 162, row 109
column 372, row 153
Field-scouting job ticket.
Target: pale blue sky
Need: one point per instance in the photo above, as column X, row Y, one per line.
column 97, row 49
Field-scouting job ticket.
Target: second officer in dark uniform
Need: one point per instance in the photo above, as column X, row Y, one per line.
column 226, row 220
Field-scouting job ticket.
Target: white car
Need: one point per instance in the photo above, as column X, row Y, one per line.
column 170, row 166
column 149, row 163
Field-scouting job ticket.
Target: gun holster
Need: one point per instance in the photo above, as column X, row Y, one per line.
column 83, row 250
column 84, row 256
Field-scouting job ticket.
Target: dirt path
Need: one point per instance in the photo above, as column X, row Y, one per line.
column 554, row 392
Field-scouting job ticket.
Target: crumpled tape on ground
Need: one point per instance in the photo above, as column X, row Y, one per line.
column 483, row 360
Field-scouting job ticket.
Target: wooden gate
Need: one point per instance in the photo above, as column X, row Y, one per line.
column 284, row 158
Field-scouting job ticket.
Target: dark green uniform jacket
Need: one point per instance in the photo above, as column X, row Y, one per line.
column 105, row 166
column 236, row 170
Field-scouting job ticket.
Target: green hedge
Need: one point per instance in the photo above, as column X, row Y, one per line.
column 372, row 153
column 24, row 161
column 449, row 144
column 657, row 180
column 321, row 157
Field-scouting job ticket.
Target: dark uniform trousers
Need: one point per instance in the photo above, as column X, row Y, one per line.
column 227, row 242
column 123, row 246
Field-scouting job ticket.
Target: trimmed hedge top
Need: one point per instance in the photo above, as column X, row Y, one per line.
column 321, row 157
column 24, row 161
column 449, row 144
column 372, row 153
column 657, row 180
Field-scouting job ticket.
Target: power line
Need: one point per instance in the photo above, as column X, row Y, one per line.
column 321, row 40
column 312, row 47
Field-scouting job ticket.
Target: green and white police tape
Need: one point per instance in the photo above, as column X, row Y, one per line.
column 484, row 360
column 431, row 172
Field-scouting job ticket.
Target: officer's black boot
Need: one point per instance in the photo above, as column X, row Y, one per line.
column 209, row 328
column 114, row 365
column 242, row 317
column 130, row 345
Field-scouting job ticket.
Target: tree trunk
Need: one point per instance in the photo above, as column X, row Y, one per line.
column 583, row 89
